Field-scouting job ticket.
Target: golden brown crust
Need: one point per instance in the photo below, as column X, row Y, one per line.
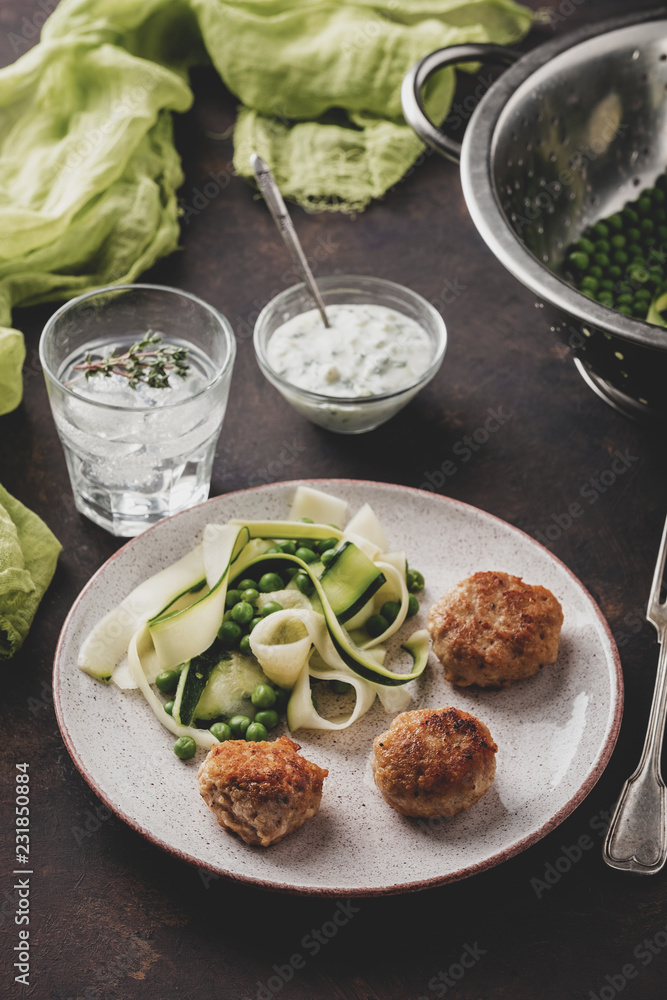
column 434, row 762
column 492, row 629
column 261, row 791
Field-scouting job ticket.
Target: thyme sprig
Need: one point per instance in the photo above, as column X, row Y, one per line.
column 140, row 363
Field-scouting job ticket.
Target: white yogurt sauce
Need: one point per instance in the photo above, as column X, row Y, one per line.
column 368, row 350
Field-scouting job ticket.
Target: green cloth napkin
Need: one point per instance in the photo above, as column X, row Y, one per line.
column 88, row 169
column 28, row 556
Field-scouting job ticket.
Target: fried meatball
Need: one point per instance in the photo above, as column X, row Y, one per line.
column 261, row 791
column 434, row 762
column 492, row 629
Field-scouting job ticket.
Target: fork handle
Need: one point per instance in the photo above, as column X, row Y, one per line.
column 637, row 837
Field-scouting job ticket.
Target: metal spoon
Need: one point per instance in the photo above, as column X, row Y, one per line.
column 637, row 837
column 277, row 208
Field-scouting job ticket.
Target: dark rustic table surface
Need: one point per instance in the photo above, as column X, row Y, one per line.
column 114, row 916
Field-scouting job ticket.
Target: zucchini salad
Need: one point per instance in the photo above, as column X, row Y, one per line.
column 236, row 632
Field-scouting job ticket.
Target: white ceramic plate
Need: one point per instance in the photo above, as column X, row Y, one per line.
column 555, row 731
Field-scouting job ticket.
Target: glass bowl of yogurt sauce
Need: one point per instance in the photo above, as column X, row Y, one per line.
column 384, row 344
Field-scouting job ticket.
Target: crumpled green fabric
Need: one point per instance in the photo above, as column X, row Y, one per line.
column 28, row 555
column 88, row 169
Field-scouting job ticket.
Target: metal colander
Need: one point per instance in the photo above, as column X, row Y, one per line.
column 567, row 135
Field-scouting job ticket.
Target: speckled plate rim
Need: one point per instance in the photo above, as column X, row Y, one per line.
column 493, row 860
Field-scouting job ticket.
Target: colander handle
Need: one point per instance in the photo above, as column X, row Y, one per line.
column 415, row 79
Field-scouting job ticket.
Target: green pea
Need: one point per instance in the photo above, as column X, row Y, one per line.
column 596, row 271
column 268, row 718
column 376, row 625
column 270, row 608
column 579, row 260
column 229, row 634
column 414, row 580
column 282, row 697
column 629, row 214
column 650, row 241
column 263, row 696
column 602, row 246
column 254, row 623
column 167, row 681
column 238, row 725
column 644, row 205
column 600, row 229
column 304, row 583
column 288, row 546
column 618, row 241
column 169, row 707
column 340, row 687
column 244, row 645
column 270, row 582
column 243, row 612
column 615, row 221
column 662, row 232
column 413, row 605
column 634, row 234
column 643, row 293
column 185, row 747
column 221, row 731
column 326, row 544
column 290, row 571
column 585, row 246
column 250, row 595
column 620, row 257
column 625, row 299
column 273, row 550
column 614, row 272
column 647, row 225
column 256, row 733
column 390, row 610
column 639, row 308
column 328, row 557
column 306, row 555
column 232, row 598
column 601, row 259
column 607, row 284
column 306, row 520
column 658, row 196
column 659, row 215
column 247, row 584
column 626, row 310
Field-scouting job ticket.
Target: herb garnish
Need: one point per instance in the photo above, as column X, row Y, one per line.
column 139, row 364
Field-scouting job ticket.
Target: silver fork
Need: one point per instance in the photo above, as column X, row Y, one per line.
column 637, row 837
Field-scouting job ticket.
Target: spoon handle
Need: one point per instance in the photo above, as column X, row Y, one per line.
column 281, row 217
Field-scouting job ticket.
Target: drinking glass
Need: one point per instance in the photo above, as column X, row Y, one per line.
column 136, row 455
